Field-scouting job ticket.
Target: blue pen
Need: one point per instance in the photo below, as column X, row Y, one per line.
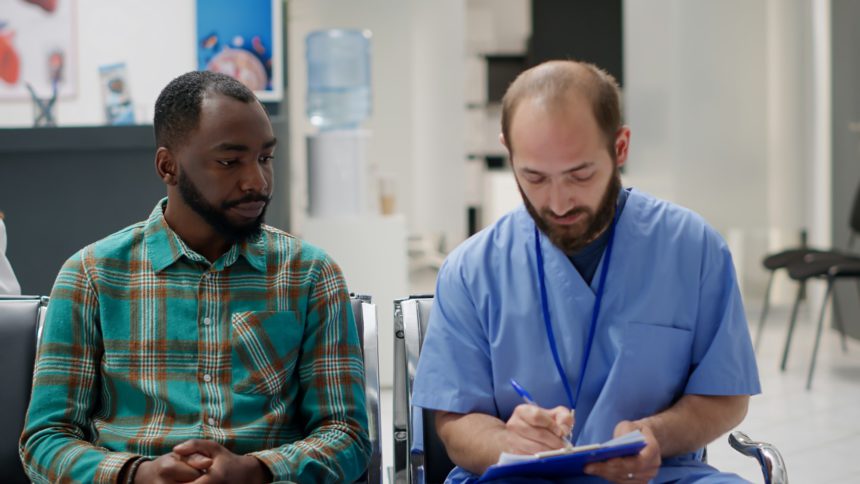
column 523, row 393
column 531, row 401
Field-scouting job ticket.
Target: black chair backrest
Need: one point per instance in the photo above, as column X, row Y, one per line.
column 20, row 318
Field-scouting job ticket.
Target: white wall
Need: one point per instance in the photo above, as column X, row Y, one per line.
column 696, row 84
column 438, row 120
column 790, row 132
column 696, row 100
column 726, row 108
column 155, row 38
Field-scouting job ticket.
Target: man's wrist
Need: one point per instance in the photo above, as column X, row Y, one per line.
column 131, row 470
column 259, row 470
column 651, row 423
column 656, row 427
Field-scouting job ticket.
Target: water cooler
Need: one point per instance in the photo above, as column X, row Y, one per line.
column 370, row 248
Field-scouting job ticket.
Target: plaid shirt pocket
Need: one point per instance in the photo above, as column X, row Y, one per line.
column 265, row 348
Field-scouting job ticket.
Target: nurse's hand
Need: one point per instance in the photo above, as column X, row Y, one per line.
column 640, row 468
column 533, row 429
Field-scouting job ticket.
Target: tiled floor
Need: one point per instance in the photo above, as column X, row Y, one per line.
column 817, row 431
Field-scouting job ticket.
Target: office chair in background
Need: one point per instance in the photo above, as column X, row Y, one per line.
column 830, row 265
column 796, row 261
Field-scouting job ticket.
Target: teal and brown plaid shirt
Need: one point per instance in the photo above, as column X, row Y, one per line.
column 146, row 345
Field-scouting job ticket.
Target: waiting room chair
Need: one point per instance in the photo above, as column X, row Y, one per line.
column 432, row 464
column 366, row 321
column 797, row 257
column 21, row 319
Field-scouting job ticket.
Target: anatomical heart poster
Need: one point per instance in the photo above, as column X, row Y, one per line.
column 37, row 47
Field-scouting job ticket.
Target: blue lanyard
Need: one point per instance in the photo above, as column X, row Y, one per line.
column 594, row 314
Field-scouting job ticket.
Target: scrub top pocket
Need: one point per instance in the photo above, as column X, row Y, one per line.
column 651, row 369
column 265, row 346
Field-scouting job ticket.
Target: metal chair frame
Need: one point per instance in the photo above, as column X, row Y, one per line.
column 772, row 466
column 366, row 320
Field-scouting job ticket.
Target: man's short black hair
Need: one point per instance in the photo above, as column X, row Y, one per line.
column 177, row 109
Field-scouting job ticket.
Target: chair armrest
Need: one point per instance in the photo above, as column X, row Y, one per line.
column 768, row 457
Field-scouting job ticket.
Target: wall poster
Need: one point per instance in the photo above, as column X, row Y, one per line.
column 37, row 47
column 243, row 40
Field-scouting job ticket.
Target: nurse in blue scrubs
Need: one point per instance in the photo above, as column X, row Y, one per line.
column 596, row 298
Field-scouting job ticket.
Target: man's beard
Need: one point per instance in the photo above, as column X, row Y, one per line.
column 217, row 218
column 573, row 238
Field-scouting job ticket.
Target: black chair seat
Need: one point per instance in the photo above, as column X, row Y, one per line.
column 789, row 257
column 820, row 266
column 830, row 267
column 845, row 269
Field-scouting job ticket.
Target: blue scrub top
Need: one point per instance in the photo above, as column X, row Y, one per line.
column 671, row 322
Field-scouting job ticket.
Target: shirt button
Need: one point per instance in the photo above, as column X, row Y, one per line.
column 207, row 321
column 207, row 378
column 211, row 421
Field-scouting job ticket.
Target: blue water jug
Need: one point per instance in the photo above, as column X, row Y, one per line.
column 338, row 78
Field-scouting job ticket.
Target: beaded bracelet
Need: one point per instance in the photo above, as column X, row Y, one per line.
column 133, row 469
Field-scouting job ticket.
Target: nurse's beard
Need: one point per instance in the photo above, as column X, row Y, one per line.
column 573, row 238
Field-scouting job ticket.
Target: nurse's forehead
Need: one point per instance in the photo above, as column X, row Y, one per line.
column 543, row 168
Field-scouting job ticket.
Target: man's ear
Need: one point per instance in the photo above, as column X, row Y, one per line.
column 503, row 141
column 165, row 166
column 622, row 145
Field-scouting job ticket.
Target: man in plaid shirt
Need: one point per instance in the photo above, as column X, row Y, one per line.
column 200, row 345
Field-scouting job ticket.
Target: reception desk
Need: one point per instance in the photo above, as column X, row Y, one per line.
column 63, row 188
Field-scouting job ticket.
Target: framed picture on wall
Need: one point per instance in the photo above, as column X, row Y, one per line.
column 243, row 40
column 37, row 47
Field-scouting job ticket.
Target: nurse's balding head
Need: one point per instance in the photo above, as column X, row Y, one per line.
column 554, row 83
